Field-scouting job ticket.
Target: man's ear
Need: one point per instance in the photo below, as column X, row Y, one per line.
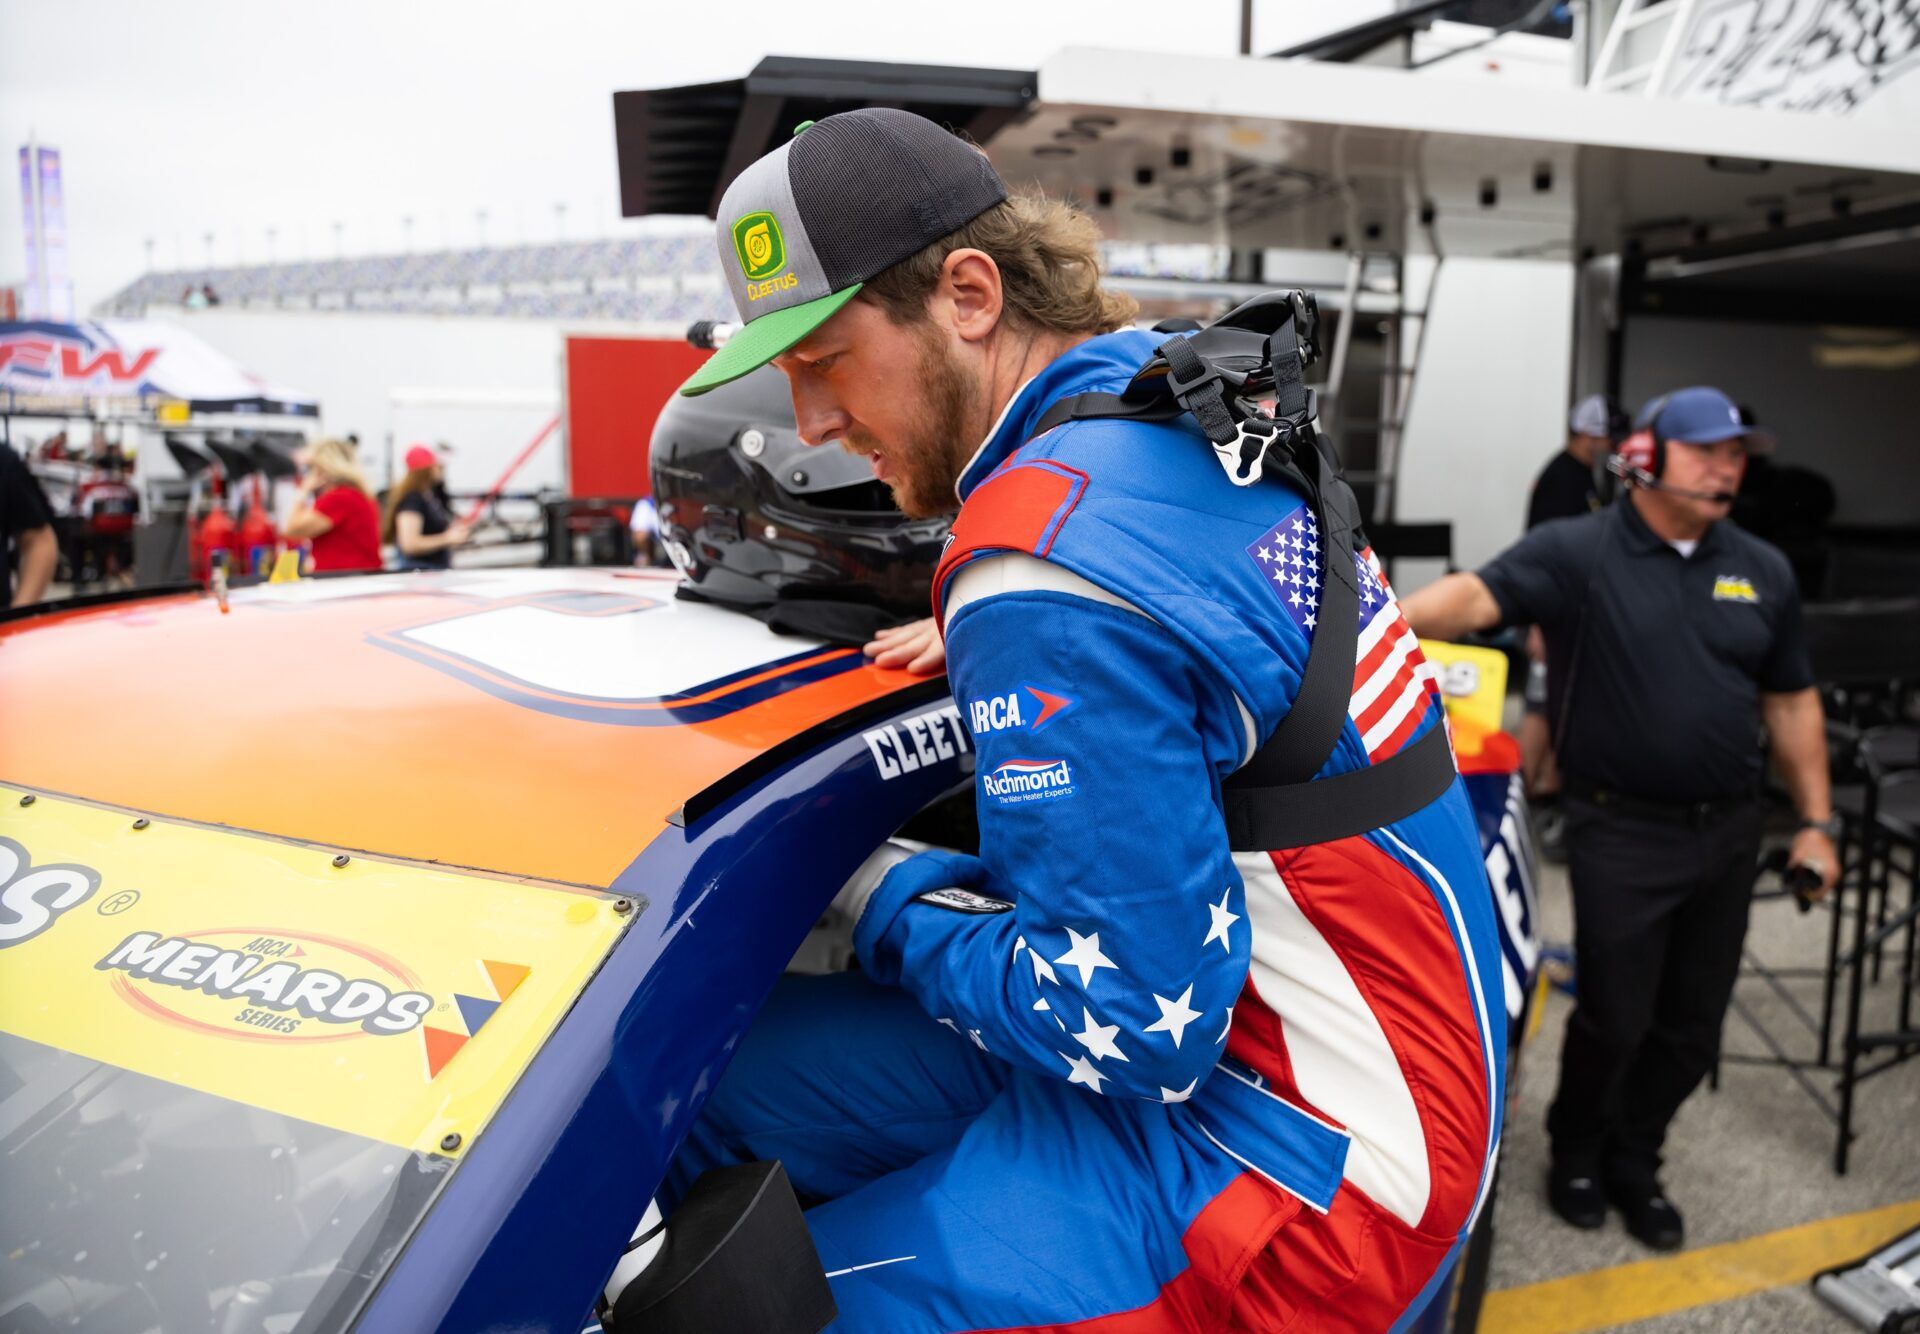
column 970, row 287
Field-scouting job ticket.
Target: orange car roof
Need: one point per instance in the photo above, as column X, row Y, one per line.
column 531, row 722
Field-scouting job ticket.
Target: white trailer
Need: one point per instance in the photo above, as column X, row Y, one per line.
column 1501, row 245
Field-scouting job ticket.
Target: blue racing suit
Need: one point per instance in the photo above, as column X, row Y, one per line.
column 1131, row 1080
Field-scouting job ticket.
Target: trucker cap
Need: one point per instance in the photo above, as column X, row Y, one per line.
column 1592, row 415
column 846, row 198
column 1701, row 416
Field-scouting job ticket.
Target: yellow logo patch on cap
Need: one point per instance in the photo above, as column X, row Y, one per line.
column 758, row 243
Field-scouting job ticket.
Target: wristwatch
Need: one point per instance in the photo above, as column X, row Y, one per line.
column 1829, row 826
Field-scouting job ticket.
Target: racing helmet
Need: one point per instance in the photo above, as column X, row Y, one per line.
column 750, row 516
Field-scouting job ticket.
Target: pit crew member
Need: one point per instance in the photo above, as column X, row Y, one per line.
column 1672, row 636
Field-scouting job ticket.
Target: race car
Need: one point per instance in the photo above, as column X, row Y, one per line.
column 367, row 945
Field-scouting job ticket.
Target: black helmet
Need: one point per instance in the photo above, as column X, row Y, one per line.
column 751, row 516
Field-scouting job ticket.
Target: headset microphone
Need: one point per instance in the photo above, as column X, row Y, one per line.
column 1624, row 466
column 1718, row 497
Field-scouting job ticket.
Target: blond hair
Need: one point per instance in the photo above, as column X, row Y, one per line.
column 334, row 460
column 1048, row 254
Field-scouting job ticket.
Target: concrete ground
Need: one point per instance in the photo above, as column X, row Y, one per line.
column 1753, row 1157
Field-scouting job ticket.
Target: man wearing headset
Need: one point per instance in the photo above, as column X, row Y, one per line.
column 1672, row 638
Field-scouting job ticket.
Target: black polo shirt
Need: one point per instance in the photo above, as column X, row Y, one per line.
column 1563, row 489
column 1674, row 655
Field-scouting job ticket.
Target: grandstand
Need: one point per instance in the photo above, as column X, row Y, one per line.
column 670, row 279
column 661, row 279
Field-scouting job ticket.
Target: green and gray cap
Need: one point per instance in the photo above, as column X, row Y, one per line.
column 846, row 198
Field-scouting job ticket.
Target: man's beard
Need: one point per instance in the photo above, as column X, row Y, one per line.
column 927, row 462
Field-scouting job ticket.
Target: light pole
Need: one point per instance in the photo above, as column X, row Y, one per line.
column 208, row 238
column 149, row 245
column 271, row 234
column 480, row 225
column 560, row 221
column 339, row 249
column 406, row 231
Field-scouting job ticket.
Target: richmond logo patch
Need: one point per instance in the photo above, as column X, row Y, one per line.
column 1019, row 781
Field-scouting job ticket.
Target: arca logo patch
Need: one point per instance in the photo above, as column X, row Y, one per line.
column 1734, row 588
column 1027, row 709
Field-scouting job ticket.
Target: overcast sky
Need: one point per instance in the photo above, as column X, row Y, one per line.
column 230, row 117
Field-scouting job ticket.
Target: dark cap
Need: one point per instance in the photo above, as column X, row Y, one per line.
column 846, row 198
column 1701, row 416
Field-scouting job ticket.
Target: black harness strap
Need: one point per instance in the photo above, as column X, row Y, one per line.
column 1304, row 738
column 1293, row 815
column 1274, row 801
column 1083, row 407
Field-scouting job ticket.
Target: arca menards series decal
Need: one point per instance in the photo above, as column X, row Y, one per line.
column 278, row 993
column 262, row 972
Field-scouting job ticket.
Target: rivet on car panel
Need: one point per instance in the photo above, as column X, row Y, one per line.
column 342, row 859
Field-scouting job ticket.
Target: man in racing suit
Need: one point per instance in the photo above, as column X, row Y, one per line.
column 1107, row 1075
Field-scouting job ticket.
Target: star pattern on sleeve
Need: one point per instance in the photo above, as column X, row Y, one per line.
column 1175, row 1015
column 1085, row 955
column 1222, row 920
column 1042, row 970
column 1098, row 1039
column 1081, row 1071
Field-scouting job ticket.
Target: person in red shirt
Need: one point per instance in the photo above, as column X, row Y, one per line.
column 335, row 511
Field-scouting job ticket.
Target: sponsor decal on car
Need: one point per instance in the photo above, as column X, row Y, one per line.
column 33, row 897
column 1019, row 781
column 344, row 990
column 281, row 979
column 1028, row 709
column 914, row 743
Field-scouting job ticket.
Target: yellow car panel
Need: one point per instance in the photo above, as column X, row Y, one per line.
column 393, row 1000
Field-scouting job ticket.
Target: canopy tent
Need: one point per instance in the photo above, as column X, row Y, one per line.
column 138, row 369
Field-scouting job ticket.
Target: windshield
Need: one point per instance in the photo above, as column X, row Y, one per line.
column 129, row 1204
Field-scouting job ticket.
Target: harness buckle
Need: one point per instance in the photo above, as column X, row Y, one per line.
column 1245, row 456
